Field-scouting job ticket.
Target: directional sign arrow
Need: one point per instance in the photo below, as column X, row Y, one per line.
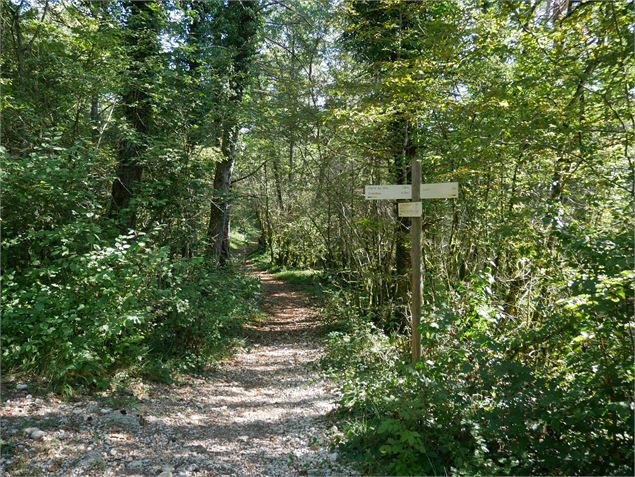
column 442, row 190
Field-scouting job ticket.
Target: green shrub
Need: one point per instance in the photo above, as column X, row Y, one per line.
column 492, row 397
column 198, row 310
column 75, row 317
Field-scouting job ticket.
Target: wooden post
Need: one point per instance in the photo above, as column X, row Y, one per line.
column 415, row 251
column 447, row 190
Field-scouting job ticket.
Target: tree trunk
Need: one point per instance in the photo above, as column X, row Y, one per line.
column 241, row 17
column 129, row 173
column 277, row 183
column 141, row 38
column 404, row 152
column 219, row 221
column 402, row 249
column 94, row 117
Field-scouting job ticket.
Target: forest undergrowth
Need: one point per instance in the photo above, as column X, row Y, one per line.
column 525, row 402
column 95, row 309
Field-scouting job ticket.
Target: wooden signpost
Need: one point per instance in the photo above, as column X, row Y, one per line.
column 443, row 190
column 415, row 192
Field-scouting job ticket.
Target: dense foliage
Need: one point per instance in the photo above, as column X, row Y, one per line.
column 106, row 187
column 528, row 281
column 480, row 404
column 135, row 133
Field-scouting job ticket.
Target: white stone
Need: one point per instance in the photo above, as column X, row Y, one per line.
column 37, row 435
column 135, row 465
column 125, row 421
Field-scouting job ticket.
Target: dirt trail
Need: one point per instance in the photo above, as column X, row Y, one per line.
column 262, row 413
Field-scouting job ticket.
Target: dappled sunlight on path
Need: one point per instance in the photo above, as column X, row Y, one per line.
column 263, row 412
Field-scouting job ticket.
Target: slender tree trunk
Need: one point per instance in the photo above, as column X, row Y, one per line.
column 291, row 146
column 14, row 11
column 219, row 223
column 400, row 172
column 277, row 182
column 242, row 18
column 94, row 117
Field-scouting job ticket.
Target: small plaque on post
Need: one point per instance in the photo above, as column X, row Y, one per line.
column 410, row 209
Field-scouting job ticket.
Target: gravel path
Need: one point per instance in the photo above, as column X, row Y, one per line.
column 263, row 413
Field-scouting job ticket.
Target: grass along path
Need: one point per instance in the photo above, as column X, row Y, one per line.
column 262, row 413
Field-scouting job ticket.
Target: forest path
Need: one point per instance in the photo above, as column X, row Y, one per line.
column 262, row 413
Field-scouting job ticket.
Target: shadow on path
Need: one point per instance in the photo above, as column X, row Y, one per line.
column 291, row 315
column 262, row 413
